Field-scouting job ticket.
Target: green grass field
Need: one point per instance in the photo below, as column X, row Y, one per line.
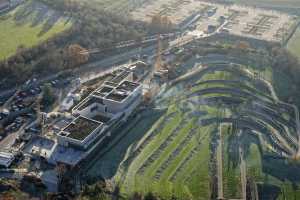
column 180, row 154
column 27, row 27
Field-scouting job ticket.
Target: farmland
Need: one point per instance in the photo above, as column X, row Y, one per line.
column 27, row 26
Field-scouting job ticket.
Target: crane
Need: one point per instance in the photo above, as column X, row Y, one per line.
column 40, row 118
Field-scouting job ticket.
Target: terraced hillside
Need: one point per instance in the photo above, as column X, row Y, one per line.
column 28, row 25
column 293, row 44
column 181, row 153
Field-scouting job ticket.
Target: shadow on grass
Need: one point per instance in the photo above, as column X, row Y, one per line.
column 282, row 169
column 108, row 164
column 37, row 14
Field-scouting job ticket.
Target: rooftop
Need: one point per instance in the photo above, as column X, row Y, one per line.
column 117, row 96
column 120, row 76
column 90, row 101
column 111, row 84
column 128, row 86
column 103, row 91
column 80, row 128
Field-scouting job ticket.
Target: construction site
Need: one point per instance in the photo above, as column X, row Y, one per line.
column 203, row 18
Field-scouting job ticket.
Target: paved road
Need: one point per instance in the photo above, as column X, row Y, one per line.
column 243, row 170
column 220, row 165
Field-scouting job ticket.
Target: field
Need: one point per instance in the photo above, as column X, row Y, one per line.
column 28, row 25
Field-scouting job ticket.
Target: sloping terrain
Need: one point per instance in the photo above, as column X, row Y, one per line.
column 178, row 154
column 28, row 25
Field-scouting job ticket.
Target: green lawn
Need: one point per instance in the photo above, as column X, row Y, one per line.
column 183, row 175
column 231, row 175
column 30, row 28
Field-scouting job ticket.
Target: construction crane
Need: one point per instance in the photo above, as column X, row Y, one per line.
column 158, row 62
column 157, row 69
column 40, row 118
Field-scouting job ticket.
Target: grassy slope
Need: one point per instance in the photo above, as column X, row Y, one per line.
column 231, row 176
column 187, row 181
column 193, row 180
column 294, row 44
column 14, row 34
column 254, row 169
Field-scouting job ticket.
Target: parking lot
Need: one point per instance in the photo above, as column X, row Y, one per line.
column 17, row 111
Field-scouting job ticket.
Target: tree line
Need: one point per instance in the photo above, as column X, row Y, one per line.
column 92, row 28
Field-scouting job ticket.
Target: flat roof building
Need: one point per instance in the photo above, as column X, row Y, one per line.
column 97, row 114
column 81, row 132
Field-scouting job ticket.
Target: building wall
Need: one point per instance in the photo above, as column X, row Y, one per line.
column 130, row 108
column 90, row 112
column 115, row 107
column 114, row 110
column 66, row 141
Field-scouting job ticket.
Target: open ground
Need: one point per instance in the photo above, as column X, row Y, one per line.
column 28, row 25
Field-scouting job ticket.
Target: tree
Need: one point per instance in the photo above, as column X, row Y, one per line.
column 161, row 24
column 76, row 55
column 48, row 95
column 150, row 196
column 137, row 196
column 243, row 45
